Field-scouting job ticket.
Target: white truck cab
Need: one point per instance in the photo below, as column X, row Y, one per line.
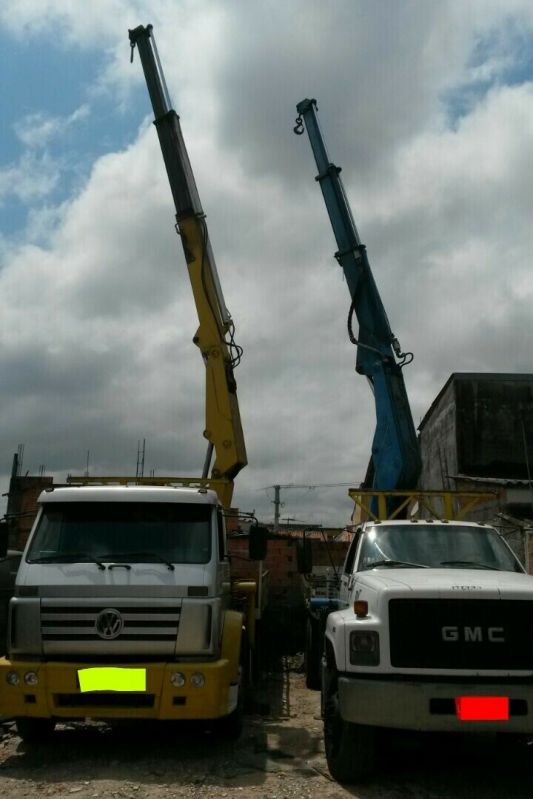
column 432, row 633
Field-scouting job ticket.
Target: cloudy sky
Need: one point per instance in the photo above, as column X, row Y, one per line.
column 428, row 107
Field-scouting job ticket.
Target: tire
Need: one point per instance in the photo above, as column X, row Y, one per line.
column 231, row 726
column 312, row 655
column 350, row 748
column 33, row 731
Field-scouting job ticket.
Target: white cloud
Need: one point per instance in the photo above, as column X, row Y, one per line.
column 38, row 129
column 32, row 177
column 99, row 317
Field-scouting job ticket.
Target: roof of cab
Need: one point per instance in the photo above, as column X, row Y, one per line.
column 425, row 522
column 126, row 493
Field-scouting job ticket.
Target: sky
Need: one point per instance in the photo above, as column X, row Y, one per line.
column 427, row 105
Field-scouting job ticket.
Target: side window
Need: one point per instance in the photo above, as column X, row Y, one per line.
column 221, row 536
column 350, row 557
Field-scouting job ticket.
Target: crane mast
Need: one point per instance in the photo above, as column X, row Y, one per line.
column 214, row 336
column 395, row 461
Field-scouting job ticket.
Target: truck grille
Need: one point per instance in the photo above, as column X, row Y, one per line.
column 75, row 627
column 462, row 633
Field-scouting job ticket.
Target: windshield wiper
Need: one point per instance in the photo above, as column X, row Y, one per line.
column 397, row 563
column 68, row 557
column 126, row 555
column 472, row 563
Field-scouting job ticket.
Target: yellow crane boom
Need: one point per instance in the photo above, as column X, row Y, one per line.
column 215, row 334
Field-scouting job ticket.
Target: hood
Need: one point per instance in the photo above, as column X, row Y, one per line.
column 86, row 579
column 448, row 582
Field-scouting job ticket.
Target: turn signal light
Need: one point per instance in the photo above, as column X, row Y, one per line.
column 360, row 608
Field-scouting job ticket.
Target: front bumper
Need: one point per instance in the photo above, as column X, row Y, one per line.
column 430, row 706
column 58, row 693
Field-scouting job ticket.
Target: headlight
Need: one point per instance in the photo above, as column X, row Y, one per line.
column 197, row 679
column 12, row 678
column 31, row 678
column 177, row 679
column 364, row 648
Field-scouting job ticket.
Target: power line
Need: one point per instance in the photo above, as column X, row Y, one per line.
column 277, row 495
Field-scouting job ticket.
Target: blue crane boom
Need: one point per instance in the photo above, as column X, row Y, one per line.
column 395, row 461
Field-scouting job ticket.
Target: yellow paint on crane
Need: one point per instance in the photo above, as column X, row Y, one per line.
column 112, row 679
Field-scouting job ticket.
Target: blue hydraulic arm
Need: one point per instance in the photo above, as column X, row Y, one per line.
column 395, row 461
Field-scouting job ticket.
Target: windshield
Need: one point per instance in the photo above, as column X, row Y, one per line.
column 447, row 546
column 122, row 531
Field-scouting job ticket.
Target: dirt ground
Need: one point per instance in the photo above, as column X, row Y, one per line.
column 279, row 756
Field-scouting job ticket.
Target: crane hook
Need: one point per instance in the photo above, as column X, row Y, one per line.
column 299, row 127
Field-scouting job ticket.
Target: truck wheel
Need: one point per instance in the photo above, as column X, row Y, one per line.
column 350, row 748
column 312, row 655
column 230, row 727
column 34, row 731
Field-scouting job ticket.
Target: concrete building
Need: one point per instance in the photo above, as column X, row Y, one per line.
column 22, row 498
column 479, row 425
column 478, row 436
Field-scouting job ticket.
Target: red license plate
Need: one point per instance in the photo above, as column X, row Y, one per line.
column 482, row 708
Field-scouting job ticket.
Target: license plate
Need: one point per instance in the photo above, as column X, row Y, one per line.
column 112, row 679
column 482, row 708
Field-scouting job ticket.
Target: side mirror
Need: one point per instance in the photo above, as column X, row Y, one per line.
column 257, row 543
column 304, row 556
column 3, row 537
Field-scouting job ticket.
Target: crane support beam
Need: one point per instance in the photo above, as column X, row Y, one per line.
column 214, row 336
column 395, row 459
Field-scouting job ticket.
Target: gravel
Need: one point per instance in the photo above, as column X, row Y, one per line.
column 279, row 756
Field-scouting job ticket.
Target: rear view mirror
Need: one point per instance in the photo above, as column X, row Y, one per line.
column 257, row 543
column 3, row 537
column 304, row 556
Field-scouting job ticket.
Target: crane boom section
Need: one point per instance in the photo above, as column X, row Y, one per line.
column 214, row 337
column 395, row 452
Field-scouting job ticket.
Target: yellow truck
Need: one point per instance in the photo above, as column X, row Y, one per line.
column 123, row 609
column 124, row 605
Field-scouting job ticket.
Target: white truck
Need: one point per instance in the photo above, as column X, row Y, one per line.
column 123, row 609
column 433, row 633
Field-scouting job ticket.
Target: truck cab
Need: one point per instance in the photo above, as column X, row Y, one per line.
column 430, row 635
column 122, row 608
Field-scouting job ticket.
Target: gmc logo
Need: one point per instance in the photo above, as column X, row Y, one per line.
column 494, row 635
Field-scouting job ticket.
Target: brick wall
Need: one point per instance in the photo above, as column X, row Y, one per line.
column 22, row 507
column 285, row 584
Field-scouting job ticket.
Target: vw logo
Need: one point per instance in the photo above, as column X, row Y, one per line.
column 109, row 624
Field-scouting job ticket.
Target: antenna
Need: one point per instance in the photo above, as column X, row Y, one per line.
column 20, row 459
column 140, row 458
column 277, row 496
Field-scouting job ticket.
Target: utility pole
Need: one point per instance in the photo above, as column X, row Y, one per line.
column 140, row 458
column 277, row 505
column 277, row 496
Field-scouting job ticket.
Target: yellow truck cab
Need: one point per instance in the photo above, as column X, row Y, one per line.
column 122, row 610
